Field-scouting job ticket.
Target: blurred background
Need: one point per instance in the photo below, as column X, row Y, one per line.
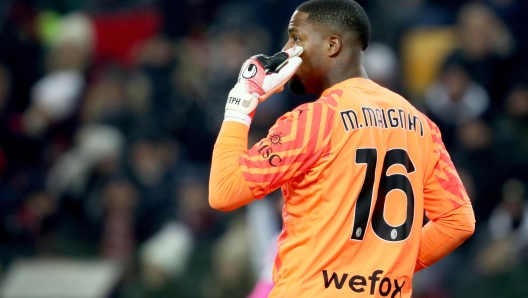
column 109, row 110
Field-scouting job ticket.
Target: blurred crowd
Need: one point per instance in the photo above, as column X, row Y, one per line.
column 109, row 110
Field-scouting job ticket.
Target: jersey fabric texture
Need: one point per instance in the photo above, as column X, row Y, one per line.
column 357, row 168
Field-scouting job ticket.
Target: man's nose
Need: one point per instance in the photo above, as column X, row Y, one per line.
column 287, row 46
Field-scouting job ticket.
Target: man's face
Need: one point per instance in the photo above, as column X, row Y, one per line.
column 309, row 76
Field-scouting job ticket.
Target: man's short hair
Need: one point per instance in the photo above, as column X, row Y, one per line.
column 346, row 15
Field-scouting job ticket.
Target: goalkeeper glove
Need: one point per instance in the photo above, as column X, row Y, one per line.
column 260, row 77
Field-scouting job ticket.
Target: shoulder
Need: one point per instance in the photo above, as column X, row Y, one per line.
column 310, row 109
column 331, row 97
column 430, row 126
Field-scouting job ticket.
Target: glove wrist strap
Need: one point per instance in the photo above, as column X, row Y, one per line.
column 232, row 115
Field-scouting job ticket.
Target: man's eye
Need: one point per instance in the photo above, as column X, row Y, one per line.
column 296, row 39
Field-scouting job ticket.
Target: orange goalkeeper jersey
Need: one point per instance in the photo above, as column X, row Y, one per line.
column 357, row 169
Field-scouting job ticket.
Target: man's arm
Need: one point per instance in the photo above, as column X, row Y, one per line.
column 443, row 235
column 447, row 205
column 259, row 77
column 228, row 189
column 293, row 145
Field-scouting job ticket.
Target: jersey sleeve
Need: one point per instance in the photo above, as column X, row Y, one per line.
column 446, row 204
column 443, row 190
column 293, row 145
column 228, row 189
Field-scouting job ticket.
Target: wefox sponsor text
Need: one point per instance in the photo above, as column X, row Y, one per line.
column 359, row 283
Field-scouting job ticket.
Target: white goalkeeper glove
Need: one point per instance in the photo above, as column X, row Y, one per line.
column 260, row 77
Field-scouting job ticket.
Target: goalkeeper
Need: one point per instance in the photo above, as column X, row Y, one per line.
column 358, row 167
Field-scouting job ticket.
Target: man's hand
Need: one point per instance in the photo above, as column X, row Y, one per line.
column 260, row 77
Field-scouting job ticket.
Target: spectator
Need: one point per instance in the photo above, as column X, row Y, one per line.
column 485, row 44
column 509, row 125
column 455, row 99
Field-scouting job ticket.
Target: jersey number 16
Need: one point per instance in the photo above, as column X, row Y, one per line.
column 387, row 183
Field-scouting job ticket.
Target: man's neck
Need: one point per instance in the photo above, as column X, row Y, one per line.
column 343, row 70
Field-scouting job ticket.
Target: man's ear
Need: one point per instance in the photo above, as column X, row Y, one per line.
column 334, row 45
